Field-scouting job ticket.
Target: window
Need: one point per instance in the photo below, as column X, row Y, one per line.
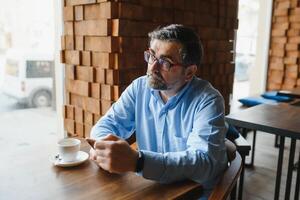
column 39, row 69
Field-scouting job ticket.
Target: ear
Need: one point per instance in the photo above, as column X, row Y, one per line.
column 190, row 71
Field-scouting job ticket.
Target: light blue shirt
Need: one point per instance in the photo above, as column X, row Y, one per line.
column 181, row 139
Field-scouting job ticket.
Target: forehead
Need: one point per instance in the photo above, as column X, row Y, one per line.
column 165, row 48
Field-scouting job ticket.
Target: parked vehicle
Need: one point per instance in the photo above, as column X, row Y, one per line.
column 28, row 78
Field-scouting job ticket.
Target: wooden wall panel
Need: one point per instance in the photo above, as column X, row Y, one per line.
column 284, row 53
column 104, row 40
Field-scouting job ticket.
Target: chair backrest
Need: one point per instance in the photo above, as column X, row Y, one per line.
column 229, row 179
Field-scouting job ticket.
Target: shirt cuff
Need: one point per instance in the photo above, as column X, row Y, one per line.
column 153, row 165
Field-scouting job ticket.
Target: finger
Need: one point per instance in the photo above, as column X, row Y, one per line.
column 110, row 137
column 102, row 153
column 91, row 142
column 102, row 162
column 102, row 144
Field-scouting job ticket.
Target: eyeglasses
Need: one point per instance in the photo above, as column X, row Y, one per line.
column 164, row 64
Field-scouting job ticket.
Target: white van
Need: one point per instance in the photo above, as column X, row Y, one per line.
column 28, row 78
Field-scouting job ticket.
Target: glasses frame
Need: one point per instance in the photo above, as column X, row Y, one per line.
column 160, row 61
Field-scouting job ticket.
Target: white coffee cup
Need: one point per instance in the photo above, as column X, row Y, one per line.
column 68, row 149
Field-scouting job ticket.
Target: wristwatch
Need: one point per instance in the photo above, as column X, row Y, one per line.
column 140, row 162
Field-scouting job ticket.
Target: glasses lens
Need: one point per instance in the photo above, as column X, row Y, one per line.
column 165, row 65
column 146, row 56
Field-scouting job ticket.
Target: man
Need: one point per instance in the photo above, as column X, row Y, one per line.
column 178, row 119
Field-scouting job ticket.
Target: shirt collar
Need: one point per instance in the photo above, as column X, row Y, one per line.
column 172, row 102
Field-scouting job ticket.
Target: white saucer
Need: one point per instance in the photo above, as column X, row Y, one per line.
column 81, row 158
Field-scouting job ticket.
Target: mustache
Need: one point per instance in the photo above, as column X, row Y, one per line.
column 155, row 76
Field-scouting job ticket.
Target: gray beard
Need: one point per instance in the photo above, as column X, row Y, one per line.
column 156, row 83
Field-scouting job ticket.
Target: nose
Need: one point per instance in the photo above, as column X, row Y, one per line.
column 154, row 67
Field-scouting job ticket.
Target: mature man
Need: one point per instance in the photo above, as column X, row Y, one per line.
column 178, row 119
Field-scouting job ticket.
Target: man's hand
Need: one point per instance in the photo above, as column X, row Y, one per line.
column 114, row 154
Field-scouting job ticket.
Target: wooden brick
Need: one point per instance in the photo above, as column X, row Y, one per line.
column 128, row 61
column 78, row 87
column 87, row 130
column 298, row 82
column 79, row 2
column 117, row 91
column 294, row 54
column 79, row 13
column 69, row 126
column 101, row 44
column 292, row 47
column 79, row 42
column 101, row 27
column 70, row 71
column 278, row 52
column 295, row 39
column 69, row 28
column 63, row 42
column 295, row 25
column 72, row 57
column 69, row 112
column 123, row 27
column 106, row 92
column 290, row 60
column 88, row 118
column 77, row 100
column 100, row 75
column 274, row 86
column 108, row 10
column 282, row 40
column 293, row 32
column 95, row 90
column 103, row 60
column 68, row 13
column 281, row 19
column 131, row 11
column 84, row 73
column 294, row 18
column 86, row 58
column 96, row 118
column 62, row 56
column 289, row 83
column 276, row 66
column 276, row 76
column 105, row 105
column 278, row 32
column 291, row 71
column 122, row 77
column 295, row 11
column 79, row 130
column 283, row 26
column 115, row 44
column 281, row 12
column 283, row 5
column 93, row 105
column 92, row 11
column 277, row 45
column 79, row 115
column 70, row 43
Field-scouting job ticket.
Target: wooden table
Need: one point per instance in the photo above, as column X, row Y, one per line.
column 294, row 93
column 282, row 120
column 30, row 175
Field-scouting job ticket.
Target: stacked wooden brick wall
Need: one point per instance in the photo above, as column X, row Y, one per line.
column 284, row 59
column 103, row 44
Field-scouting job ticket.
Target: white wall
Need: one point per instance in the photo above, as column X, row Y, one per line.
column 59, row 68
column 258, row 73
